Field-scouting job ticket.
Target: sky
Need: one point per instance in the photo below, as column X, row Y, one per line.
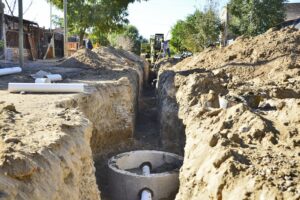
column 158, row 16
column 153, row 16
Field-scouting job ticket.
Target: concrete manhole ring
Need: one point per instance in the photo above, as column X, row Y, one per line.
column 127, row 182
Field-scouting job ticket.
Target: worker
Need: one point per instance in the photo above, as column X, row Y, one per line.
column 89, row 44
column 166, row 48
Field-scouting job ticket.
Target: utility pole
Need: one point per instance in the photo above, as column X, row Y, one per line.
column 50, row 16
column 1, row 20
column 21, row 34
column 65, row 30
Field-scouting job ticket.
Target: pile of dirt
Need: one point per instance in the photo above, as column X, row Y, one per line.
column 244, row 151
column 261, row 57
column 102, row 57
column 110, row 63
column 268, row 60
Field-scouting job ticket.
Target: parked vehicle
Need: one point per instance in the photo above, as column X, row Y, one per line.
column 183, row 55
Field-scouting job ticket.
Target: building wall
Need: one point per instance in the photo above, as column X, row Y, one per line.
column 292, row 10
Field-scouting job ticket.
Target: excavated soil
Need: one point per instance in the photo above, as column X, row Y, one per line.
column 53, row 145
column 244, row 151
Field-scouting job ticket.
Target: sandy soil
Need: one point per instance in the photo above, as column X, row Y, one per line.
column 251, row 149
column 45, row 150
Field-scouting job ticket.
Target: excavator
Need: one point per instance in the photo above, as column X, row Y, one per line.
column 155, row 45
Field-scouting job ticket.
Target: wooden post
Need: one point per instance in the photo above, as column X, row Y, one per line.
column 21, row 34
column 2, row 29
column 65, row 30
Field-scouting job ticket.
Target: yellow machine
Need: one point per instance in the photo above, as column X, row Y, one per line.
column 156, row 46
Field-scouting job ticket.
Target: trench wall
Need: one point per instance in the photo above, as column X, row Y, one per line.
column 111, row 107
column 62, row 169
column 228, row 153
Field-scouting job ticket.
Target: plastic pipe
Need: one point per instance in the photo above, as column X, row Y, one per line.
column 42, row 80
column 146, row 170
column 46, row 87
column 11, row 70
column 54, row 77
column 146, row 195
column 223, row 102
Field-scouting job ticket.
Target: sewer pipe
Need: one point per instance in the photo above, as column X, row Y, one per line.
column 46, row 87
column 146, row 194
column 146, row 170
column 11, row 70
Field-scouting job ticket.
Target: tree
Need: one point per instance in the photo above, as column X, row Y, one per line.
column 127, row 38
column 253, row 17
column 178, row 35
column 197, row 32
column 57, row 21
column 104, row 15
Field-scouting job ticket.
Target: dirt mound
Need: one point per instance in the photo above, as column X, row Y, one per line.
column 262, row 56
column 268, row 60
column 110, row 63
column 244, row 151
column 102, row 57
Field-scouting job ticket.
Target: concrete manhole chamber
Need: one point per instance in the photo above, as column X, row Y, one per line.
column 144, row 175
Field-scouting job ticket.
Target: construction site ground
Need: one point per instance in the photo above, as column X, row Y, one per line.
column 56, row 146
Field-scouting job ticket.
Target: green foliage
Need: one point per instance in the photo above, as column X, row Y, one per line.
column 178, row 36
column 1, row 44
column 198, row 31
column 100, row 38
column 253, row 17
column 104, row 15
column 145, row 47
column 57, row 21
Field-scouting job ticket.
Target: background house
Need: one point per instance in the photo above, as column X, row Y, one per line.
column 292, row 10
column 36, row 39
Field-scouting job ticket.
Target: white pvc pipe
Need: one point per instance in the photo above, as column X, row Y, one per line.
column 146, row 195
column 54, row 77
column 42, row 80
column 11, row 70
column 146, row 170
column 46, row 87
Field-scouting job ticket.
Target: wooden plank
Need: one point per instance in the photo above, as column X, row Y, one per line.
column 32, row 47
column 50, row 53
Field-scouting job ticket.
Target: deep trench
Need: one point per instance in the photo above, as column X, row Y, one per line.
column 146, row 137
column 147, row 122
